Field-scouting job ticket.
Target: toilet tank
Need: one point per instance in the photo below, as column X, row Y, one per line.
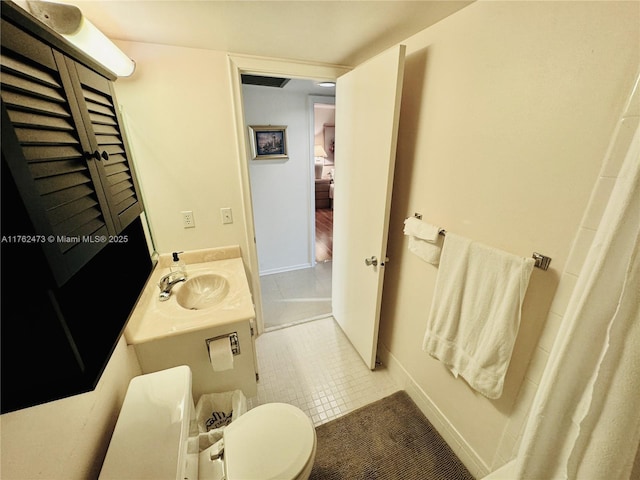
column 150, row 437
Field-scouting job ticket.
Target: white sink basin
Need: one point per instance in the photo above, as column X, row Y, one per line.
column 202, row 291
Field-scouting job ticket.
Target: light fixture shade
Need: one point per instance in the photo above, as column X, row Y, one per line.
column 68, row 21
column 318, row 151
column 93, row 42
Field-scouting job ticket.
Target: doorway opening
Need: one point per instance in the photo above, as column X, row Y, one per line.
column 292, row 201
column 324, row 119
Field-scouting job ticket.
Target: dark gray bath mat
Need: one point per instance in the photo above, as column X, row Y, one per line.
column 388, row 439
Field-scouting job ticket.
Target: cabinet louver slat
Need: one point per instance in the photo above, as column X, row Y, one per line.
column 69, row 209
column 121, row 187
column 32, row 104
column 97, row 110
column 114, row 168
column 105, row 131
column 50, row 169
column 19, row 67
column 61, row 182
column 86, row 225
column 98, row 119
column 105, row 141
column 116, row 153
column 30, row 136
column 32, row 88
column 40, row 154
column 22, row 119
column 59, row 199
column 95, row 99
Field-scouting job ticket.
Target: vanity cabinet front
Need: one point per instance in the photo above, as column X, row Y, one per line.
column 64, row 144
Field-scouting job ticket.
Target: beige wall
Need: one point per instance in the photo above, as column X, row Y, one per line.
column 507, row 113
column 179, row 116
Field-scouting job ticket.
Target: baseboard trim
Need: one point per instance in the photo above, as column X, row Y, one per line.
column 452, row 436
column 290, row 268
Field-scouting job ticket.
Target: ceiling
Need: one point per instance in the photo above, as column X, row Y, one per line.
column 343, row 32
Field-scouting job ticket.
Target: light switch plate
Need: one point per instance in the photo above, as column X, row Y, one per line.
column 227, row 216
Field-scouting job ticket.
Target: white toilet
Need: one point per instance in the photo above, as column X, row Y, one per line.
column 156, row 437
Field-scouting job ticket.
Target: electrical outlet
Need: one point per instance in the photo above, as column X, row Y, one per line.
column 187, row 219
column 227, row 217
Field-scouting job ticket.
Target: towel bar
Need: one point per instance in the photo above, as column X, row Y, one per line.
column 541, row 261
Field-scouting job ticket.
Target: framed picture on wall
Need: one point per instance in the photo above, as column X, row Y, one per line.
column 268, row 142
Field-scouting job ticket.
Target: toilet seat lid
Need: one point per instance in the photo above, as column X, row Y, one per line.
column 271, row 441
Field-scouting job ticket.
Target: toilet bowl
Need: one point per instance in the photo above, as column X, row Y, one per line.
column 156, row 438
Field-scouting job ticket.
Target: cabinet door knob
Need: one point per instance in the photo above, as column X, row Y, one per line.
column 105, row 155
column 89, row 155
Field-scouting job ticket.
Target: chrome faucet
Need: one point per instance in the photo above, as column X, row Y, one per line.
column 167, row 282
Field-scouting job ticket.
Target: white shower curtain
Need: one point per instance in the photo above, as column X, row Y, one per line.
column 585, row 420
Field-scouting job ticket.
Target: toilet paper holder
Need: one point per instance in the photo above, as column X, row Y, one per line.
column 233, row 340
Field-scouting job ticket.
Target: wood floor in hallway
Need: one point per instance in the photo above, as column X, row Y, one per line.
column 324, row 234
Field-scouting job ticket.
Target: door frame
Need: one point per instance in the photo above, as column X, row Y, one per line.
column 312, row 100
column 239, row 64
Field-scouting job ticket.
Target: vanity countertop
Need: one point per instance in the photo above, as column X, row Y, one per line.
column 153, row 319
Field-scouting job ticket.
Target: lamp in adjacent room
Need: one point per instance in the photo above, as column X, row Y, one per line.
column 318, row 152
column 319, row 155
column 68, row 21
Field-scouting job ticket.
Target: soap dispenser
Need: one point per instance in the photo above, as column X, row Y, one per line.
column 178, row 265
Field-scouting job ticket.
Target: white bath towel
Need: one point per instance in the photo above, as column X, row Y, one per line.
column 476, row 310
column 424, row 240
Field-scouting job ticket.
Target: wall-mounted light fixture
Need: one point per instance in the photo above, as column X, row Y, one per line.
column 69, row 22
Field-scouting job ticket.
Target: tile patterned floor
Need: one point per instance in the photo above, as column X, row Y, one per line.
column 294, row 296
column 313, row 366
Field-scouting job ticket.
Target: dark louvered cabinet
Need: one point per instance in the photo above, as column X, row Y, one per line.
column 63, row 140
column 103, row 123
column 74, row 256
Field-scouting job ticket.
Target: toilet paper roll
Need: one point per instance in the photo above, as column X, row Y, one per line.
column 220, row 354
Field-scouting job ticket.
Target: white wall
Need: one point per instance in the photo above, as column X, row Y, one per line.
column 507, row 113
column 281, row 189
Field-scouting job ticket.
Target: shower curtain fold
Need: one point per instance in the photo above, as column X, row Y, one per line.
column 585, row 422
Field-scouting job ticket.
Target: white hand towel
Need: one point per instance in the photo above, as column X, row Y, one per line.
column 417, row 228
column 427, row 251
column 476, row 310
column 424, row 240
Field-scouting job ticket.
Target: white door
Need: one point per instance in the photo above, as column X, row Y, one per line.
column 367, row 114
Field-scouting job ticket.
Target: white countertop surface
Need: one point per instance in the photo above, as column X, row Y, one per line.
column 152, row 319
